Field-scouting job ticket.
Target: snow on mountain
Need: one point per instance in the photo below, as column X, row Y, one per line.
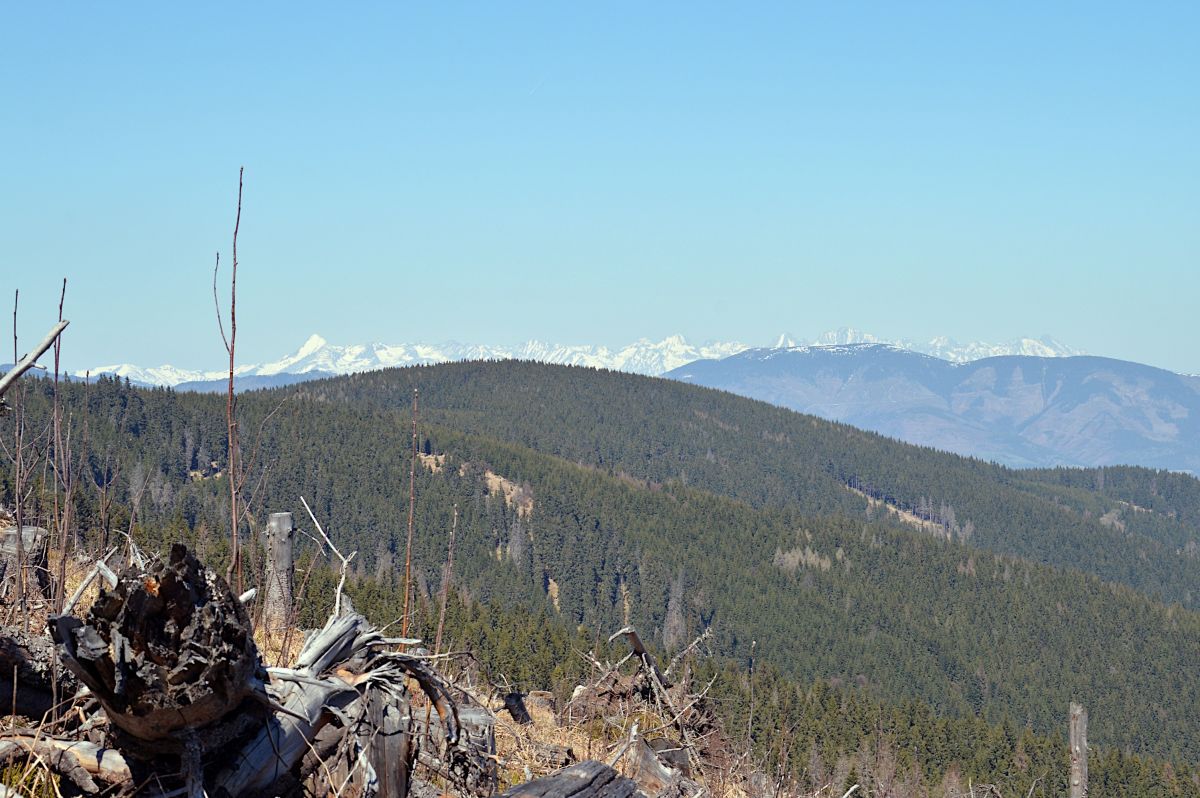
column 161, row 375
column 847, row 335
column 784, row 341
column 316, row 356
column 949, row 349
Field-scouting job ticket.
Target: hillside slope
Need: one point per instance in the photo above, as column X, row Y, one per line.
column 663, row 431
column 609, row 498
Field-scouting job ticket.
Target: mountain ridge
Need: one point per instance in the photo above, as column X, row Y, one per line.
column 643, row 356
column 1016, row 410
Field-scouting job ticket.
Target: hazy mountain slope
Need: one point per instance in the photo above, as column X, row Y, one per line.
column 1022, row 411
column 252, row 382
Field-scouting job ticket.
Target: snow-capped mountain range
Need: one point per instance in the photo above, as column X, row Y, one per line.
column 319, row 357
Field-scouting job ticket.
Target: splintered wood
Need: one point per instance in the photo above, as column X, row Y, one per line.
column 178, row 701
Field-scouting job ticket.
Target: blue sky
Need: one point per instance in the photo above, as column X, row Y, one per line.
column 602, row 172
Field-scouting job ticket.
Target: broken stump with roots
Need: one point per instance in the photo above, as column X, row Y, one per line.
column 189, row 709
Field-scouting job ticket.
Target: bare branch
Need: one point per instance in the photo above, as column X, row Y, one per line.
column 30, row 359
column 217, row 303
column 337, row 598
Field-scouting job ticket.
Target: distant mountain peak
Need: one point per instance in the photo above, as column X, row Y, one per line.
column 784, row 341
column 847, row 335
column 313, row 343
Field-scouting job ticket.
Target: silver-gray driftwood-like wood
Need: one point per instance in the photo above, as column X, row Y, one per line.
column 278, row 580
column 32, row 546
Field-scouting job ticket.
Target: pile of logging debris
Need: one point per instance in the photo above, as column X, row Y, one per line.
column 162, row 692
column 159, row 689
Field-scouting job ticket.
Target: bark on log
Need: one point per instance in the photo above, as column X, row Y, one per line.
column 169, row 656
column 80, row 761
column 585, row 780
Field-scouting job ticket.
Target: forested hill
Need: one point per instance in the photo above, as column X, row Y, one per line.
column 606, row 498
column 660, row 432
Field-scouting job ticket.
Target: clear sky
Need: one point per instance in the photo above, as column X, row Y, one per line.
column 601, row 172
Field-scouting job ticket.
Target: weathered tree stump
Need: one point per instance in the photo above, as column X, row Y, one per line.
column 168, row 653
column 33, row 541
column 277, row 588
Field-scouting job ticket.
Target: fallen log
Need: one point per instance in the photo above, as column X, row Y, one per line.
column 584, row 780
column 82, row 762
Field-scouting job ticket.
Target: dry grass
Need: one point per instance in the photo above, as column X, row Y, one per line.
column 31, row 778
column 278, row 647
column 518, row 747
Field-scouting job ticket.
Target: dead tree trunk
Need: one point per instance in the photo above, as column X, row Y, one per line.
column 277, row 595
column 1077, row 738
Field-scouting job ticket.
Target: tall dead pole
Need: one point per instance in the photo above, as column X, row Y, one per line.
column 235, row 564
column 62, row 468
column 412, row 500
column 19, row 454
column 1077, row 739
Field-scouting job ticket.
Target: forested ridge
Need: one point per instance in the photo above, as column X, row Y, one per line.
column 691, row 507
column 661, row 431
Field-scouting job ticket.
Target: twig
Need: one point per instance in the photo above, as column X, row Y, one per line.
column 337, row 597
column 704, row 636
